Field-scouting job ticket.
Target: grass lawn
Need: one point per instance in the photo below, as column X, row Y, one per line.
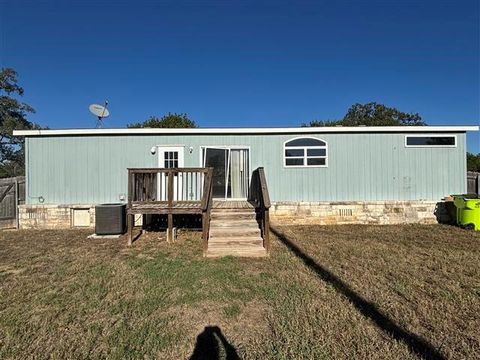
column 386, row 292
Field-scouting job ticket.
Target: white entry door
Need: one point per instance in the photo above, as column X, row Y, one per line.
column 170, row 157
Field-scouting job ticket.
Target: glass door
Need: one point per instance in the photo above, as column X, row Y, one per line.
column 218, row 160
column 230, row 171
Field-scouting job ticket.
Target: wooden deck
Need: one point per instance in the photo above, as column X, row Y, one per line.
column 229, row 227
column 186, row 207
column 232, row 204
column 170, row 191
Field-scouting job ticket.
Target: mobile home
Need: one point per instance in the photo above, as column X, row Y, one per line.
column 323, row 175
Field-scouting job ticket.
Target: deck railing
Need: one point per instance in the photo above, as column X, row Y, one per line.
column 260, row 198
column 150, row 185
column 170, row 191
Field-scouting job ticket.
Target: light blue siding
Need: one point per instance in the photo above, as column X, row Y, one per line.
column 373, row 166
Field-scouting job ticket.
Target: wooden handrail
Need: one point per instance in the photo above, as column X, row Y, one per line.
column 207, row 188
column 264, row 188
column 261, row 198
column 207, row 202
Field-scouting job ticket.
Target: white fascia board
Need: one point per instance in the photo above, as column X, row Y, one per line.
column 298, row 130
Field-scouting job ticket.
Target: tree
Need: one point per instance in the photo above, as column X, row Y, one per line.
column 322, row 123
column 171, row 120
column 13, row 116
column 473, row 162
column 373, row 114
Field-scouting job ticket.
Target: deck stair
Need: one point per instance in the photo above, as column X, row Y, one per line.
column 234, row 232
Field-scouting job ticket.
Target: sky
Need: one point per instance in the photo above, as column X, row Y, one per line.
column 244, row 63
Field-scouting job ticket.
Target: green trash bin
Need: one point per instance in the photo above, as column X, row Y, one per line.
column 468, row 211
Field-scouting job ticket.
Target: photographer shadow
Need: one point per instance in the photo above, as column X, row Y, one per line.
column 212, row 345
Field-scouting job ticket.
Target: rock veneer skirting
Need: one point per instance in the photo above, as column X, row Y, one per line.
column 301, row 213
column 56, row 216
column 359, row 212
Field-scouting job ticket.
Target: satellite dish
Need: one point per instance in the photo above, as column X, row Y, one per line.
column 100, row 112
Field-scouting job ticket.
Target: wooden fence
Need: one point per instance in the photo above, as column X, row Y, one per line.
column 473, row 182
column 12, row 194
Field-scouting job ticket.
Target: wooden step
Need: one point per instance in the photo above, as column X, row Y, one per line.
column 240, row 252
column 232, row 210
column 234, row 223
column 233, row 215
column 235, row 232
column 230, row 241
column 244, row 231
column 235, row 245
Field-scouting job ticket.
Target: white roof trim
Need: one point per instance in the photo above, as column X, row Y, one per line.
column 298, row 130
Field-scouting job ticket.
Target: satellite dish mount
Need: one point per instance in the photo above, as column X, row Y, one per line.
column 100, row 112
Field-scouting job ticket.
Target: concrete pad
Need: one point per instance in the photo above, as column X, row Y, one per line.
column 95, row 236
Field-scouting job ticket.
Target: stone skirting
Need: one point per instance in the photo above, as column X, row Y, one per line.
column 56, row 216
column 321, row 213
column 358, row 212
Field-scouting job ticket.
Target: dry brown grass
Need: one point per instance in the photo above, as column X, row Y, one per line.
column 393, row 292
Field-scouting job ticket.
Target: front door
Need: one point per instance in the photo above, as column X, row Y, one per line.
column 169, row 157
column 230, row 171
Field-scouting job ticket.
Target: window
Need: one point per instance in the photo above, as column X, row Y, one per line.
column 430, row 141
column 305, row 152
column 171, row 159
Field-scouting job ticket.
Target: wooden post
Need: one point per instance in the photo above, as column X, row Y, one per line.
column 170, row 205
column 266, row 235
column 17, row 220
column 130, row 218
column 204, row 232
column 131, row 181
column 170, row 228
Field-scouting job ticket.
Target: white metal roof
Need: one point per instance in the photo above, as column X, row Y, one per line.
column 296, row 130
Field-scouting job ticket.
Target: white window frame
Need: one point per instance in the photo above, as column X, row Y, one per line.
column 305, row 156
column 430, row 146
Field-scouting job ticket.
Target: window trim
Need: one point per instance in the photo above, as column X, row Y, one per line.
column 305, row 157
column 431, row 146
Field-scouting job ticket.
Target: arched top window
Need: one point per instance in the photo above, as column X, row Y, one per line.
column 305, row 152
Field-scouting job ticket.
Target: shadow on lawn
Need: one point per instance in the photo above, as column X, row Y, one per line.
column 208, row 345
column 416, row 343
